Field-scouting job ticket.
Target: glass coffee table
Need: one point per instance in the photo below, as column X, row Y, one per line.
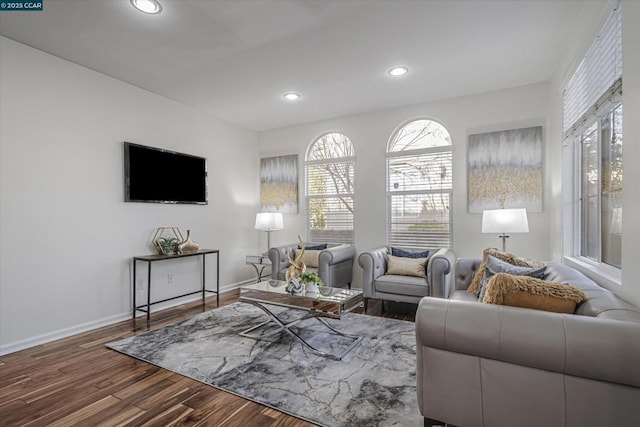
column 326, row 302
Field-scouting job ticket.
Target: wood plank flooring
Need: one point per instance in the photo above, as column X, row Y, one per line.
column 78, row 381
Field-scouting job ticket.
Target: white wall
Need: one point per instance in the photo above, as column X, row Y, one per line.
column 560, row 160
column 67, row 237
column 506, row 109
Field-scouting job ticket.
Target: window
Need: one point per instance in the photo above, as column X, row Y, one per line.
column 419, row 186
column 592, row 105
column 600, row 192
column 329, row 172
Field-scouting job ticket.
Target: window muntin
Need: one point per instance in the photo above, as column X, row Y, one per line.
column 329, row 176
column 419, row 186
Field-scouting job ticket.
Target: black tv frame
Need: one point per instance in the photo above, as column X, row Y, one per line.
column 127, row 170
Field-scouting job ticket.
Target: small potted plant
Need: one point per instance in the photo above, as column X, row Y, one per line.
column 168, row 245
column 311, row 281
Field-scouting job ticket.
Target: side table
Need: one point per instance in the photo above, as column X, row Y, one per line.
column 259, row 262
column 149, row 259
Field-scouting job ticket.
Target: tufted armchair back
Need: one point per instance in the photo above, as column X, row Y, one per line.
column 465, row 270
column 377, row 284
column 335, row 263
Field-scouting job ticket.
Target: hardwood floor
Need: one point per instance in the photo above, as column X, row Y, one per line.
column 78, row 381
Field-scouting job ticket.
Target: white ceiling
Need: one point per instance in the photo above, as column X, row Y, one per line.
column 235, row 58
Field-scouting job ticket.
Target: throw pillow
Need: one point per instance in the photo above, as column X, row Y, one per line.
column 494, row 266
column 512, row 259
column 311, row 258
column 314, row 247
column 409, row 254
column 529, row 292
column 406, row 266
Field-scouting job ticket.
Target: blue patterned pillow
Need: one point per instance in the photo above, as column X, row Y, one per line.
column 409, row 254
column 314, row 247
column 495, row 266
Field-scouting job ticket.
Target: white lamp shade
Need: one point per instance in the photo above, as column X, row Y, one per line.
column 269, row 221
column 505, row 221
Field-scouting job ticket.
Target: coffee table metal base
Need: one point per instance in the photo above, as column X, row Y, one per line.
column 286, row 327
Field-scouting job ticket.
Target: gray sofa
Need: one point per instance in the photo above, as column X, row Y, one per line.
column 335, row 263
column 489, row 365
column 379, row 285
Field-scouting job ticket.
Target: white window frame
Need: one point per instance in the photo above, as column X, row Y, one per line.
column 309, row 198
column 390, row 194
column 610, row 272
column 601, row 102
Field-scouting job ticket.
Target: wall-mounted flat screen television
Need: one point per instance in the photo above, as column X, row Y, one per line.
column 154, row 175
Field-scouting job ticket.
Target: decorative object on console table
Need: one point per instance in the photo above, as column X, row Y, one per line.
column 188, row 246
column 166, row 240
column 505, row 221
column 269, row 221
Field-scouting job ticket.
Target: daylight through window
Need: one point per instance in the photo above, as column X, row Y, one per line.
column 419, row 186
column 329, row 173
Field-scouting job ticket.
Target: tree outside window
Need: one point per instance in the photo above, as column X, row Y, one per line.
column 329, row 173
column 419, row 190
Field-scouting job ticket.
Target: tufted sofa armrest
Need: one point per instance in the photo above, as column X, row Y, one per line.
column 374, row 265
column 580, row 346
column 439, row 269
column 335, row 265
column 337, row 254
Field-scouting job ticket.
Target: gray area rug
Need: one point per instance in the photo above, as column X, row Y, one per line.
column 374, row 384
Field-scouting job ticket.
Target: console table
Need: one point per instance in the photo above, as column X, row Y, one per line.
column 149, row 259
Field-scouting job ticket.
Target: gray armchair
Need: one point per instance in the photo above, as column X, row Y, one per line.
column 335, row 263
column 377, row 284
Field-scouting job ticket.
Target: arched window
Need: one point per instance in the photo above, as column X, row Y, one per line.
column 329, row 171
column 419, row 186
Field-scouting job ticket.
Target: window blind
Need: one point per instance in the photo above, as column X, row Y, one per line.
column 330, row 190
column 597, row 78
column 418, row 172
column 420, row 221
column 331, row 219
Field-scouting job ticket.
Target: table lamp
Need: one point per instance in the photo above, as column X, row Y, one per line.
column 505, row 221
column 269, row 221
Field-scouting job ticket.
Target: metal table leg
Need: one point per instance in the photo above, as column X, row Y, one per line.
column 134, row 288
column 149, row 293
column 286, row 327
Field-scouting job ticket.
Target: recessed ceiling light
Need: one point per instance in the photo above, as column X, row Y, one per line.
column 398, row 71
column 291, row 96
column 147, row 6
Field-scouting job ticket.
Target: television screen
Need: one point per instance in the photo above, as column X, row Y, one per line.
column 153, row 175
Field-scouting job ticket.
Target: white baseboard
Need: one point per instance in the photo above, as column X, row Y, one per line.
column 95, row 324
column 61, row 333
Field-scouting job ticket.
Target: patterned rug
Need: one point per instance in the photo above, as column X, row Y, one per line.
column 373, row 385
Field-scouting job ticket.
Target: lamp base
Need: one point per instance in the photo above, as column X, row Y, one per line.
column 504, row 238
column 268, row 242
